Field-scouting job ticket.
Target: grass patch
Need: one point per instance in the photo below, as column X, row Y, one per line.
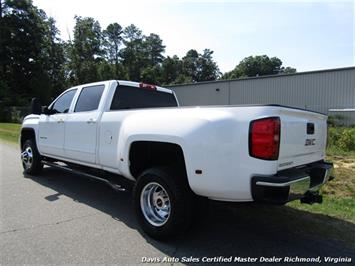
column 333, row 151
column 343, row 208
column 10, row 132
column 341, row 141
column 338, row 194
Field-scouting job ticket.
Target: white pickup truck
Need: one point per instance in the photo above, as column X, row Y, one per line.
column 174, row 155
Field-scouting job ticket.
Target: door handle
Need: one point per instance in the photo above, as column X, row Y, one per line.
column 60, row 121
column 91, row 121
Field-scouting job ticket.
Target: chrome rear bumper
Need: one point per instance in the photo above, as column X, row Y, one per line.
column 296, row 183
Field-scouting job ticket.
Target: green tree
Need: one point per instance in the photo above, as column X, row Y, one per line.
column 153, row 49
column 56, row 60
column 171, row 69
column 85, row 51
column 182, row 79
column 199, row 67
column 207, row 68
column 112, row 42
column 190, row 65
column 288, row 70
column 193, row 67
column 151, row 74
column 133, row 53
column 108, row 71
column 29, row 41
column 34, row 61
column 258, row 66
column 142, row 56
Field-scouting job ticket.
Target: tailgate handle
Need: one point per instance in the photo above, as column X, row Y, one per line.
column 310, row 128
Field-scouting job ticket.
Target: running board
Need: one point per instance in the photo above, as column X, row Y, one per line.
column 115, row 186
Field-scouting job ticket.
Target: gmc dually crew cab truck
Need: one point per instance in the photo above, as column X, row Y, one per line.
column 121, row 130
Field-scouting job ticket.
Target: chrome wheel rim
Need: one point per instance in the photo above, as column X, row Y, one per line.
column 27, row 157
column 155, row 204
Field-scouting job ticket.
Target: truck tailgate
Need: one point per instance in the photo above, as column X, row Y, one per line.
column 303, row 137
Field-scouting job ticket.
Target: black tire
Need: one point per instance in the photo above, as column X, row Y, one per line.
column 34, row 164
column 181, row 201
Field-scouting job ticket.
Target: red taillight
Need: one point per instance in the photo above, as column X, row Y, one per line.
column 147, row 86
column 264, row 138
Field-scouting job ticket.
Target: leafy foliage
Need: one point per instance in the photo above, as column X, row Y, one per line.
column 259, row 65
column 34, row 61
column 85, row 51
column 200, row 67
column 341, row 139
column 31, row 53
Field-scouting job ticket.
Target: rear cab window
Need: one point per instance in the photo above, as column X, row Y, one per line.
column 128, row 97
column 89, row 98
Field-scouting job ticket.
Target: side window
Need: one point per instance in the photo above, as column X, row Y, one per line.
column 127, row 97
column 62, row 104
column 89, row 98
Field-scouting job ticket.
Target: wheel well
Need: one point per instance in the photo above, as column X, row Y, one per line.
column 27, row 133
column 146, row 154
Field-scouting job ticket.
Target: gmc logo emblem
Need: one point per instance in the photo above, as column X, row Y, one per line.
column 310, row 142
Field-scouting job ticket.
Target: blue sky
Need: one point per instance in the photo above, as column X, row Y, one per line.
column 306, row 35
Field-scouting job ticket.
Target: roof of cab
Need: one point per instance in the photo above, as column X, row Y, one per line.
column 126, row 83
column 136, row 84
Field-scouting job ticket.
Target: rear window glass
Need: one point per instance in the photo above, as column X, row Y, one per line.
column 127, row 97
column 89, row 98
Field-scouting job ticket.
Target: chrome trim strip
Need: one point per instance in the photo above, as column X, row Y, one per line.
column 268, row 184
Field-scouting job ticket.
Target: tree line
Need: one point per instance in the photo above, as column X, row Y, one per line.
column 34, row 60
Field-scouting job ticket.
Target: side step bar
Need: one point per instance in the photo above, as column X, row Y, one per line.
column 113, row 185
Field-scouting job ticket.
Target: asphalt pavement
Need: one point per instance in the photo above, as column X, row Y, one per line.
column 62, row 218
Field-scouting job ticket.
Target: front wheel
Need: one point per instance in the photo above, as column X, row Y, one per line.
column 31, row 159
column 163, row 202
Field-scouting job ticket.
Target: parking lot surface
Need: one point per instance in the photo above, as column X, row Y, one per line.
column 62, row 218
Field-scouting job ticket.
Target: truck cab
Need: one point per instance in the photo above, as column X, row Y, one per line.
column 79, row 109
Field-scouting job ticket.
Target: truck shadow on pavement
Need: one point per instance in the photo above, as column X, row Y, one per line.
column 245, row 230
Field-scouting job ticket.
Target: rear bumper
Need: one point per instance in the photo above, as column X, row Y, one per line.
column 291, row 184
